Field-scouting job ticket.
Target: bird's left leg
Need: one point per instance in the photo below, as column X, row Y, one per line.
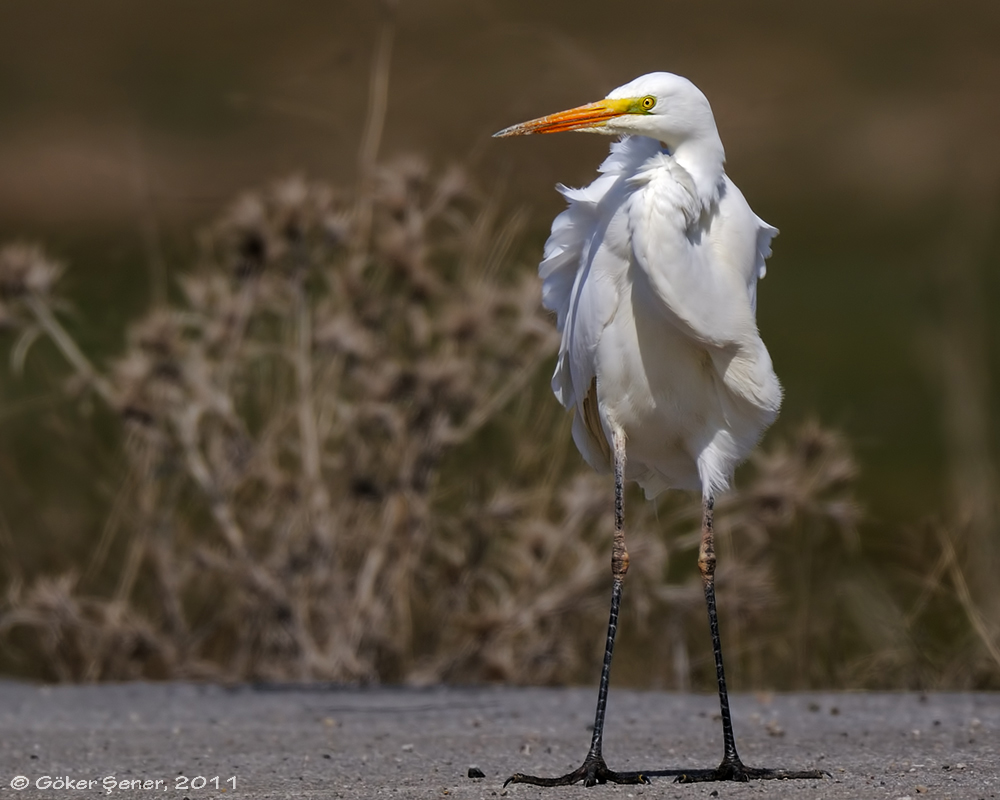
column 594, row 770
column 731, row 768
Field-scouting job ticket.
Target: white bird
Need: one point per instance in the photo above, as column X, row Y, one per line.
column 652, row 272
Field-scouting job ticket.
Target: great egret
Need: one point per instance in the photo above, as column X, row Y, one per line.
column 652, row 272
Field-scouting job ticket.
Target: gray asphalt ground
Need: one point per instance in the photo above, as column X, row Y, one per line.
column 204, row 741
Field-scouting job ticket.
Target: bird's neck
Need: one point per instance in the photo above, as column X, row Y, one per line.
column 703, row 158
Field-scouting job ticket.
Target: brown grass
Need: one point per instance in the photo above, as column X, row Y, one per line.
column 340, row 460
column 350, row 468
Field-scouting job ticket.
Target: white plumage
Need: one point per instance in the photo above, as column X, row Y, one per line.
column 652, row 272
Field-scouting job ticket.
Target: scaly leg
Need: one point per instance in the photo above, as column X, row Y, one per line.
column 731, row 768
column 594, row 770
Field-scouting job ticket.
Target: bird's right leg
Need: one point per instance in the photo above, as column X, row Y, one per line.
column 731, row 768
column 594, row 770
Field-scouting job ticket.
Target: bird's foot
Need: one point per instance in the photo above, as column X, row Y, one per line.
column 735, row 770
column 591, row 772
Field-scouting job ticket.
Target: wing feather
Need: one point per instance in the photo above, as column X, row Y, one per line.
column 567, row 278
column 700, row 266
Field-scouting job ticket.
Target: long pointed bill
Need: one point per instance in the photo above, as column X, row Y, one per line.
column 592, row 115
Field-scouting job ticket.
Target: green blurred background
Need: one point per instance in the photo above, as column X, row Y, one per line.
column 866, row 131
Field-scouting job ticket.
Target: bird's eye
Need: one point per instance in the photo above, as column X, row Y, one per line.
column 647, row 102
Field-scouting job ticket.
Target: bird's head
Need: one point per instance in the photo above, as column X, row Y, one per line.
column 659, row 105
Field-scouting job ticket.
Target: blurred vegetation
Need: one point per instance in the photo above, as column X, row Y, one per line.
column 337, row 458
column 338, row 462
column 317, row 440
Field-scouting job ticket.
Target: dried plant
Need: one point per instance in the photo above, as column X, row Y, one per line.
column 350, row 468
column 341, row 461
column 286, row 424
column 787, row 541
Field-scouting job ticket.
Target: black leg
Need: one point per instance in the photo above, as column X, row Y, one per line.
column 731, row 768
column 594, row 770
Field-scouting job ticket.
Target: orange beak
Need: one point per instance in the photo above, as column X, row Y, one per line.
column 592, row 115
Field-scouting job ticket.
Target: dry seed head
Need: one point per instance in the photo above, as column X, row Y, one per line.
column 803, row 482
column 399, row 183
column 26, row 268
column 150, row 378
column 268, row 229
column 342, row 334
column 337, row 227
column 452, row 185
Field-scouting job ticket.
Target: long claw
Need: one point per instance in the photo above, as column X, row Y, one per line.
column 736, row 771
column 592, row 772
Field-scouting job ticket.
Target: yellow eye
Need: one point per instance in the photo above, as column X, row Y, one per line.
column 647, row 102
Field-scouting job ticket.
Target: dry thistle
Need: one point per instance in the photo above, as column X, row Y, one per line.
column 335, row 468
column 26, row 269
column 288, row 424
